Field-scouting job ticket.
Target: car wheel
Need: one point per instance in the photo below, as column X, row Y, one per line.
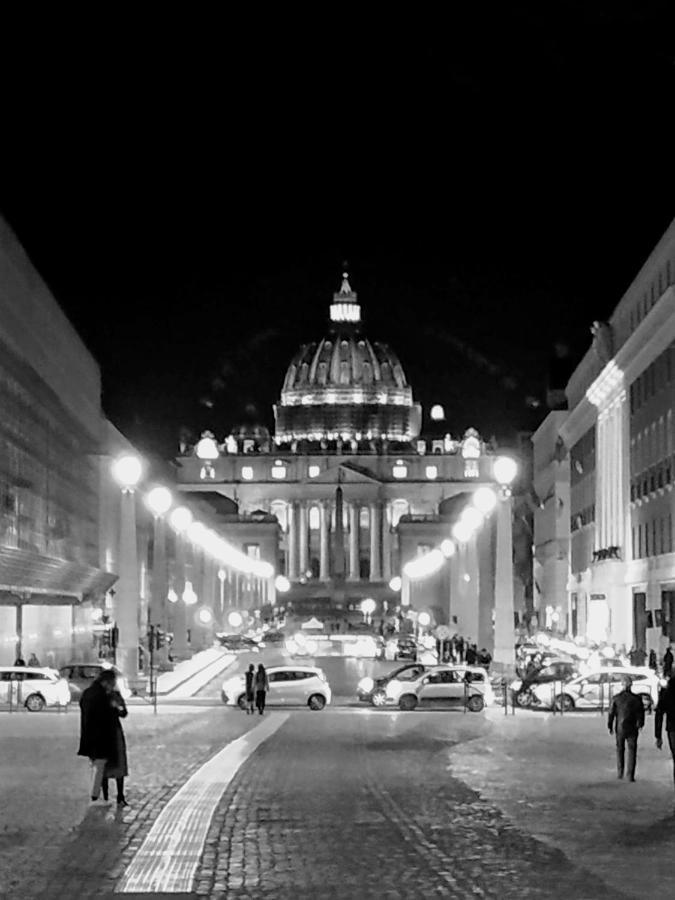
column 407, row 702
column 524, row 698
column 35, row 703
column 379, row 698
column 475, row 703
column 241, row 702
column 646, row 702
column 316, row 702
column 563, row 702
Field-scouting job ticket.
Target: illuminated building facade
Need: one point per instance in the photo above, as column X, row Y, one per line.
column 619, row 432
column 356, row 490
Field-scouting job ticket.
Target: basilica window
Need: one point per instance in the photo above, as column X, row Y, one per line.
column 247, row 473
column 279, row 509
column 431, row 472
column 398, row 508
column 314, row 518
column 399, row 470
column 279, row 471
column 252, row 550
column 364, row 517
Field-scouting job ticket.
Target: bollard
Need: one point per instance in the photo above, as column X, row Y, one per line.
column 506, row 697
column 562, row 700
column 465, row 698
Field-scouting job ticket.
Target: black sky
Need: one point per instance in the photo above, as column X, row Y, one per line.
column 189, row 188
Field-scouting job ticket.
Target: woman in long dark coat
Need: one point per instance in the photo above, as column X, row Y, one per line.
column 262, row 686
column 117, row 768
column 98, row 727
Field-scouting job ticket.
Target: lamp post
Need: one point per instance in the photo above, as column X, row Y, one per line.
column 180, row 520
column 504, row 470
column 159, row 502
column 126, row 471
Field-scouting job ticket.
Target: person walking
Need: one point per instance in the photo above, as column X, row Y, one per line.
column 471, row 654
column 262, row 686
column 117, row 768
column 665, row 708
column 626, row 718
column 98, row 728
column 34, row 661
column 637, row 656
column 653, row 664
column 668, row 663
column 484, row 659
column 250, row 690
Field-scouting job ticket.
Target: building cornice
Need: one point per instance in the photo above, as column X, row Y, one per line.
column 577, row 423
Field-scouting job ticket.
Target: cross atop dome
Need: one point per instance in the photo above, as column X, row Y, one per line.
column 345, row 306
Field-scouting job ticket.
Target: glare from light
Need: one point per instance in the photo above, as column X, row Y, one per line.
column 196, row 532
column 447, row 548
column 505, row 470
column 472, row 517
column 282, row 584
column 207, row 448
column 423, row 566
column 395, row 583
column 424, row 619
column 366, row 684
column 205, row 616
column 172, row 596
column 431, row 472
column 485, row 500
column 159, row 501
column 222, row 575
column 462, row 531
column 608, row 652
column 180, row 518
column 467, row 577
column 437, row 413
column 189, row 596
column 247, row 473
column 235, row 619
column 127, row 471
column 314, row 471
column 368, row 606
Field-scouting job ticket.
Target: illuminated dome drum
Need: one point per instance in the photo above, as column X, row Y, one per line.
column 345, row 387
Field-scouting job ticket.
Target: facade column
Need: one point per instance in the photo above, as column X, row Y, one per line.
column 324, row 566
column 127, row 597
column 375, row 542
column 292, row 541
column 354, row 569
column 405, row 591
column 159, row 584
column 471, row 589
column 180, row 644
column 303, row 538
column 504, row 654
column 387, row 568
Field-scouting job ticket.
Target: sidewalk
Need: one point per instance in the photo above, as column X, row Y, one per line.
column 555, row 778
column 188, row 668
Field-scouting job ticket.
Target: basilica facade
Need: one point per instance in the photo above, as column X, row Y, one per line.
column 349, row 488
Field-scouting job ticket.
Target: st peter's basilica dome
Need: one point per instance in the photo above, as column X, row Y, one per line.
column 346, row 387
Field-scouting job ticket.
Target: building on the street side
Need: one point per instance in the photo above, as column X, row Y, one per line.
column 50, row 425
column 355, row 489
column 619, row 432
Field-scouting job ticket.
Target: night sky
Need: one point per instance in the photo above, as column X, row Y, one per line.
column 190, row 188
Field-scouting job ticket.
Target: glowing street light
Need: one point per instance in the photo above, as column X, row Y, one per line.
column 472, row 518
column 205, row 616
column 235, row 619
column 462, row 531
column 448, row 548
column 180, row 518
column 485, row 500
column 437, row 413
column 172, row 596
column 424, row 619
column 368, row 606
column 396, row 583
column 189, row 596
column 282, row 584
column 127, row 471
column 159, row 501
column 505, row 470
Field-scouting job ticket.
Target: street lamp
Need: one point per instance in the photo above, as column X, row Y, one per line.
column 505, row 470
column 368, row 607
column 282, row 584
column 189, row 596
column 180, row 519
column 234, row 619
column 127, row 471
column 396, row 583
column 205, row 616
column 424, row 619
column 472, row 517
column 485, row 500
column 462, row 531
column 448, row 548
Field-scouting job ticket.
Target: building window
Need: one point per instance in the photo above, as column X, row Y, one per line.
column 431, row 472
column 247, row 473
column 314, row 518
column 398, row 508
column 399, row 470
column 423, row 549
column 314, row 471
column 279, row 509
column 279, row 471
column 364, row 517
column 471, row 468
column 252, row 550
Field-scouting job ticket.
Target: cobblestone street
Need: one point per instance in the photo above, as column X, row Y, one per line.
column 349, row 804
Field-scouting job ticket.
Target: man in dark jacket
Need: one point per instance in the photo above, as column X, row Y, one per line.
column 666, row 707
column 628, row 715
column 668, row 663
column 98, row 727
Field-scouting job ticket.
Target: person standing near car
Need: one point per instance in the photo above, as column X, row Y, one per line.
column 626, row 718
column 117, row 768
column 471, row 654
column 666, row 708
column 668, row 663
column 262, row 686
column 98, row 728
column 250, row 690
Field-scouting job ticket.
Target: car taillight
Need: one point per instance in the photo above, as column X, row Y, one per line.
column 321, row 674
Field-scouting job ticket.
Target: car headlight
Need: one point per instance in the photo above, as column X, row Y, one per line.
column 366, row 685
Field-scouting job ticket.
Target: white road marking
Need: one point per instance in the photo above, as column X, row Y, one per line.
column 167, row 860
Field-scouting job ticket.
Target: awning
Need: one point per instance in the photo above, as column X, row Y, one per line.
column 28, row 577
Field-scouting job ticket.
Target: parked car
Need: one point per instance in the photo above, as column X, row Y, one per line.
column 407, row 648
column 81, row 675
column 373, row 690
column 289, row 686
column 555, row 670
column 274, row 637
column 595, row 690
column 443, row 687
column 238, row 642
column 34, row 688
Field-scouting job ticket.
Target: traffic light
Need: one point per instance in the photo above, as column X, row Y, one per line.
column 160, row 638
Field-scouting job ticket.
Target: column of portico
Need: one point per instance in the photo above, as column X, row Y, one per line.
column 386, row 545
column 375, row 541
column 354, row 570
column 292, row 539
column 303, row 537
column 324, row 565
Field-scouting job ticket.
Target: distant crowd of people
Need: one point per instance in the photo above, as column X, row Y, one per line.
column 458, row 650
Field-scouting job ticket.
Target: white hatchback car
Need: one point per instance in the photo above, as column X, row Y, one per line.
column 289, row 686
column 33, row 688
column 443, row 687
column 595, row 690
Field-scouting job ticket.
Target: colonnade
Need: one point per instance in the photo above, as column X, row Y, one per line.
column 298, row 539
